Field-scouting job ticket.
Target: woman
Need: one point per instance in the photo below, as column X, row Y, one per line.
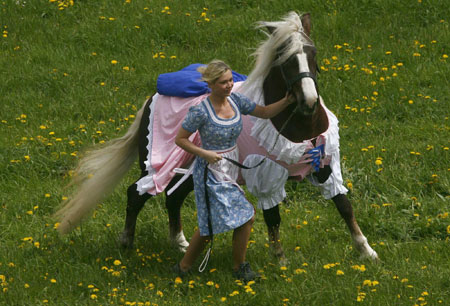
column 218, row 120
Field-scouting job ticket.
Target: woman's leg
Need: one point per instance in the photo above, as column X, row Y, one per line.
column 195, row 248
column 241, row 235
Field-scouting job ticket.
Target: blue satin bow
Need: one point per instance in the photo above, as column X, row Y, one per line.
column 316, row 155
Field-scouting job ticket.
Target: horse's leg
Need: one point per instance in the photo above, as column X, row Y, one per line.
column 273, row 220
column 135, row 201
column 345, row 209
column 174, row 202
column 134, row 205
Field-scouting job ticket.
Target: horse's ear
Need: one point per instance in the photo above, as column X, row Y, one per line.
column 306, row 22
column 271, row 29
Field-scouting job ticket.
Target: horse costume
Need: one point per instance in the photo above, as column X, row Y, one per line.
column 302, row 141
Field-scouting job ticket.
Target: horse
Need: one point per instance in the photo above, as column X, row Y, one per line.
column 303, row 142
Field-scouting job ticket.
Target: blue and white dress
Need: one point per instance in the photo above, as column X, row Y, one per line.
column 228, row 205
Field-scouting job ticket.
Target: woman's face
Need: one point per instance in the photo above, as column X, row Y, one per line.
column 223, row 85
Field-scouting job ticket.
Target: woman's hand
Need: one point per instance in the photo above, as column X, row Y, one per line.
column 290, row 98
column 274, row 109
column 211, row 157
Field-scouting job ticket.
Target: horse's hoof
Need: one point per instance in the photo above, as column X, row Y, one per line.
column 179, row 242
column 182, row 249
column 283, row 261
column 371, row 255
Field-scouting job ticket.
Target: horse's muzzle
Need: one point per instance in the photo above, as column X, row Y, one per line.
column 306, row 110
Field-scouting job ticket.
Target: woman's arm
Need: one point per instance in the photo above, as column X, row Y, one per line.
column 272, row 110
column 182, row 140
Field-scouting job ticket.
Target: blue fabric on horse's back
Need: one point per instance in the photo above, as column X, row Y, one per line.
column 187, row 82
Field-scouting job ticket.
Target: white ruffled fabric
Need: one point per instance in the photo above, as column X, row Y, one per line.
column 269, row 190
column 146, row 182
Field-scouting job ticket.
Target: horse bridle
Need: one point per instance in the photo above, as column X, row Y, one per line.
column 290, row 82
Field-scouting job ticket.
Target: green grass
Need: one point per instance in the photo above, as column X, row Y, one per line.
column 385, row 74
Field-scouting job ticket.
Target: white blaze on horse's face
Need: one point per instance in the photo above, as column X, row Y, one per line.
column 308, row 86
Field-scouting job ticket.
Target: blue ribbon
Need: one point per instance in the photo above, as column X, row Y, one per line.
column 316, row 155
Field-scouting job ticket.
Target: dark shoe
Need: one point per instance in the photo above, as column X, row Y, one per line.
column 245, row 273
column 180, row 273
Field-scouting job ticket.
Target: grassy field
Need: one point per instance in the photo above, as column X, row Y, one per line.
column 74, row 73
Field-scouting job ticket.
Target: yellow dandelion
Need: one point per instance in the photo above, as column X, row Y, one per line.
column 339, row 272
column 114, row 62
column 117, row 262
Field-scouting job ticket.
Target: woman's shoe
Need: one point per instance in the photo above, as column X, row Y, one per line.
column 245, row 273
column 180, row 273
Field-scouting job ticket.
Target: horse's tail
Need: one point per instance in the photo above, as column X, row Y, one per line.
column 97, row 175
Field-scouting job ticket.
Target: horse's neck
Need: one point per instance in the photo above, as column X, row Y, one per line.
column 298, row 128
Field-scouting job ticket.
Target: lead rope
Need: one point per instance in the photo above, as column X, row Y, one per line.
column 205, row 260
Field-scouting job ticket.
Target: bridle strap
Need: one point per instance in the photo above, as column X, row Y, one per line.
column 298, row 77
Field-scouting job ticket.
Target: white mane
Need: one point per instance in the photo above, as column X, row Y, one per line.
column 290, row 30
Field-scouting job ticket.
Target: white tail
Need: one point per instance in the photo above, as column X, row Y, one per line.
column 97, row 175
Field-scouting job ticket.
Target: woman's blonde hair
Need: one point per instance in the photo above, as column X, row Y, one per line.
column 213, row 71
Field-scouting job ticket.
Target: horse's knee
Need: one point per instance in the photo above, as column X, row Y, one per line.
column 272, row 216
column 135, row 200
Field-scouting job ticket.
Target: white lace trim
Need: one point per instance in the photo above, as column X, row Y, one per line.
column 219, row 120
column 146, row 183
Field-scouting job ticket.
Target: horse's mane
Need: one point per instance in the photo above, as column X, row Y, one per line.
column 289, row 31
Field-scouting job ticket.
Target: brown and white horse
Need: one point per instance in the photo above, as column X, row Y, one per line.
column 285, row 62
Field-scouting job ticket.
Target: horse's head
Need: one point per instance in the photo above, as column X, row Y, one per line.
column 295, row 58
